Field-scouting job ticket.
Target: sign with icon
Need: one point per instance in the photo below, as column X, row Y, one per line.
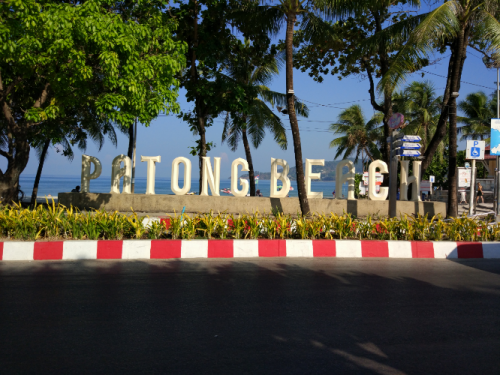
column 475, row 150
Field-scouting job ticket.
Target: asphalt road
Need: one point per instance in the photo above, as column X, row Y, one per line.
column 276, row 316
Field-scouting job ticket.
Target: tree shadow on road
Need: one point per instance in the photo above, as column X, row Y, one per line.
column 251, row 316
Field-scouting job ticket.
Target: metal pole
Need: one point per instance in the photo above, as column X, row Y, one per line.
column 133, row 161
column 393, row 179
column 472, row 187
column 497, row 173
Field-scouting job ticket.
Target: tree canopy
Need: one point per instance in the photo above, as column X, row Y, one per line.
column 66, row 66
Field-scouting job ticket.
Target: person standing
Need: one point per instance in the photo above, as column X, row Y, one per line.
column 479, row 193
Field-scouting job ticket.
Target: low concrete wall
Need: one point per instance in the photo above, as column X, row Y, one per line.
column 196, row 203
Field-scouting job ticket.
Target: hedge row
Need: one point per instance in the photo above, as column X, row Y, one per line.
column 59, row 222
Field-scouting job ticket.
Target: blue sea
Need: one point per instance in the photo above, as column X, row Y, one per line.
column 52, row 185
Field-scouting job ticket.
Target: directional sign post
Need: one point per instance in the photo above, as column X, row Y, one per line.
column 401, row 145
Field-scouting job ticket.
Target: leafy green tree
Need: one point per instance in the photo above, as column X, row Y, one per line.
column 260, row 117
column 455, row 24
column 362, row 43
column 206, row 27
column 67, row 65
column 478, row 111
column 359, row 136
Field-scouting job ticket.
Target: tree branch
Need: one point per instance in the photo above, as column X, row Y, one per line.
column 5, row 154
column 43, row 97
column 373, row 100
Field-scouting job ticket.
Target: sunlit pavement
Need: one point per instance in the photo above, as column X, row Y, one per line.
column 276, row 316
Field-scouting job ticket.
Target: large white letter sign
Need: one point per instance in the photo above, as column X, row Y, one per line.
column 340, row 178
column 234, row 178
column 372, row 171
column 313, row 176
column 174, row 178
column 283, row 177
column 86, row 176
column 150, row 181
column 410, row 180
column 117, row 173
column 209, row 177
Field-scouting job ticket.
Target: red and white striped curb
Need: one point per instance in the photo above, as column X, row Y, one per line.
column 168, row 249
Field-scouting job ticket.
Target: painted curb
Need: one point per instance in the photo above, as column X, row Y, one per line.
column 172, row 249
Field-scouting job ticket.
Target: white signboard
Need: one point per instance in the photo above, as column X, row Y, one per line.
column 464, row 176
column 432, row 179
column 495, row 136
column 475, row 150
column 378, row 178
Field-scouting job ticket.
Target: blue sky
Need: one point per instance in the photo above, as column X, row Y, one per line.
column 170, row 137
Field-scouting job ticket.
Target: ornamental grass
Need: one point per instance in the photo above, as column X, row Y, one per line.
column 57, row 222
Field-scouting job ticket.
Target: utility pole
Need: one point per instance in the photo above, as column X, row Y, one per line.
column 393, row 177
column 133, row 161
column 490, row 63
column 497, row 173
column 472, row 188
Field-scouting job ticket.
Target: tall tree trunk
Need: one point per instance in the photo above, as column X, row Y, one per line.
column 386, row 149
column 16, row 163
column 440, row 133
column 130, row 152
column 200, row 113
column 248, row 154
column 459, row 46
column 452, row 162
column 426, row 137
column 386, row 109
column 39, row 173
column 301, row 186
column 203, row 145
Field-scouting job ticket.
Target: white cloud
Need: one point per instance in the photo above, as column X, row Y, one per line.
column 495, row 124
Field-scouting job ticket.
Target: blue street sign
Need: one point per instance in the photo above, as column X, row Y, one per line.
column 407, row 145
column 411, row 138
column 410, row 153
column 405, row 138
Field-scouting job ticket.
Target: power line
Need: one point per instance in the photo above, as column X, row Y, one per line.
column 333, row 105
column 469, row 83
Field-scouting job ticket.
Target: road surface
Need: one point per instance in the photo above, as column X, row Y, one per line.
column 265, row 316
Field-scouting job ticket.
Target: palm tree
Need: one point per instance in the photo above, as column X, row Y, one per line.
column 479, row 111
column 271, row 17
column 260, row 117
column 96, row 131
column 421, row 107
column 456, row 24
column 359, row 136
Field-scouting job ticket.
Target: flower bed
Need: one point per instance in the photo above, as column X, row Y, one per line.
column 57, row 222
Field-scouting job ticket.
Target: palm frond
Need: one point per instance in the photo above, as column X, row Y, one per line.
column 440, row 24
